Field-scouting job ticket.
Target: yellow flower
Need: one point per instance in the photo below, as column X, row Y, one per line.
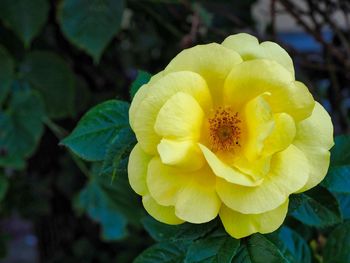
column 225, row 129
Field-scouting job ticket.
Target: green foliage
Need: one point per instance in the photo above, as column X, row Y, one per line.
column 338, row 245
column 142, row 78
column 316, row 207
column 91, row 25
column 24, row 17
column 338, row 178
column 6, row 73
column 258, row 249
column 119, row 148
column 186, row 231
column 291, row 244
column 218, row 248
column 97, row 129
column 166, row 252
column 51, row 76
column 109, row 204
column 20, row 128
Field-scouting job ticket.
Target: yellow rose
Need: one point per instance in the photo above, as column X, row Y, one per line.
column 227, row 130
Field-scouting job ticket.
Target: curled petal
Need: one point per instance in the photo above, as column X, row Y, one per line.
column 137, row 169
column 255, row 77
column 249, row 48
column 164, row 214
column 240, row 225
column 162, row 90
column 288, row 173
column 212, row 61
column 223, row 170
column 314, row 138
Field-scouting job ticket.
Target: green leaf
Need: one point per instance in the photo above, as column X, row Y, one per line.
column 186, row 231
column 316, row 207
column 97, row 129
column 90, row 25
column 340, row 154
column 112, row 205
column 6, row 73
column 219, row 248
column 52, row 77
column 337, row 248
column 291, row 244
column 24, row 17
column 165, row 252
column 258, row 249
column 344, row 203
column 4, row 184
column 338, row 177
column 20, row 128
column 142, row 78
column 120, row 146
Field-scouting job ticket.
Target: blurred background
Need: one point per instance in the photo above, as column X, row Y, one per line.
column 60, row 58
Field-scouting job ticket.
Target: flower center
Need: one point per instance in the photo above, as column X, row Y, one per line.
column 225, row 129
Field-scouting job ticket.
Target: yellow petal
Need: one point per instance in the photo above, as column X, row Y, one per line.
column 275, row 52
column 182, row 154
column 164, row 214
column 282, row 135
column 164, row 182
column 140, row 95
column 163, row 89
column 197, row 202
column 259, row 124
column 288, row 173
column 255, row 77
column 192, row 193
column 314, row 138
column 225, row 171
column 137, row 169
column 211, row 61
column 257, row 168
column 241, row 225
column 180, row 117
column 248, row 47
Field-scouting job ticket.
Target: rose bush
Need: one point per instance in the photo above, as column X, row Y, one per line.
column 225, row 129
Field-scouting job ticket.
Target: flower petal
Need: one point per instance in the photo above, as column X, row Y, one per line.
column 282, row 135
column 212, row 61
column 164, row 182
column 246, row 45
column 249, row 48
column 275, row 52
column 197, row 202
column 241, row 225
column 164, row 214
column 252, row 78
column 314, row 138
column 182, row 154
column 257, row 168
column 259, row 124
column 140, row 95
column 225, row 171
column 137, row 169
column 180, row 117
column 163, row 89
column 288, row 173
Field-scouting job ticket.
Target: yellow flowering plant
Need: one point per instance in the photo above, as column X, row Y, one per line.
column 226, row 130
column 224, row 144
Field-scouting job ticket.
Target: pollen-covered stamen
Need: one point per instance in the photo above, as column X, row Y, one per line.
column 225, row 129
